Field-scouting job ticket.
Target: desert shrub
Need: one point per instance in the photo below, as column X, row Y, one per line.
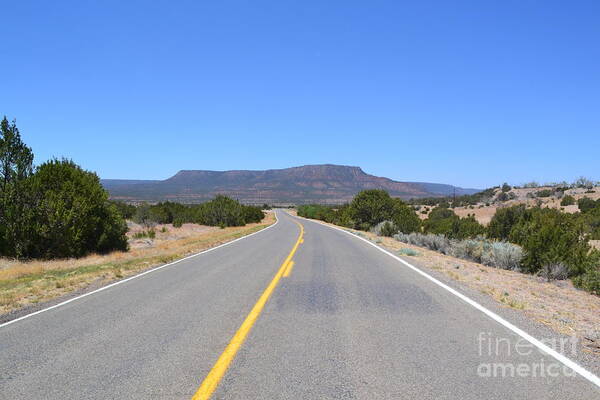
column 221, row 211
column 438, row 243
column 503, row 255
column 16, row 165
column 549, row 236
column 591, row 220
column 503, row 197
column 384, row 228
column 150, row 233
column 160, row 213
column 343, row 216
column 370, row 207
column 143, row 216
column 567, row 200
column 544, row 193
column 56, row 210
column 583, row 182
column 178, row 223
column 73, row 216
column 554, row 271
column 339, row 216
column 317, row 211
column 253, row 214
column 404, row 218
column 506, row 188
column 126, row 210
column 443, row 221
column 586, row 204
column 440, row 221
column 408, row 252
column 589, row 280
column 496, row 254
column 503, row 221
column 468, row 249
column 467, row 227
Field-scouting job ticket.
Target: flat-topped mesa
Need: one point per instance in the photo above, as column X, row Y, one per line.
column 323, row 183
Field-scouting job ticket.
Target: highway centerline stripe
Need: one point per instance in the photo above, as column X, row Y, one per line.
column 288, row 270
column 217, row 372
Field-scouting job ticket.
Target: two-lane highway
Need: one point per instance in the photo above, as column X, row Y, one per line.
column 344, row 321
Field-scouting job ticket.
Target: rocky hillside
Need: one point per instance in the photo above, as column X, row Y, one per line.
column 332, row 184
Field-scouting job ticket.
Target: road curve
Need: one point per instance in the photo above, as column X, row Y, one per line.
column 348, row 322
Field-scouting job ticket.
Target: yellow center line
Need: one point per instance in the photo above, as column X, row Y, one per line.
column 288, row 270
column 215, row 375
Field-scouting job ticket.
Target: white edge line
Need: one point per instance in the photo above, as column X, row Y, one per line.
column 546, row 349
column 136, row 276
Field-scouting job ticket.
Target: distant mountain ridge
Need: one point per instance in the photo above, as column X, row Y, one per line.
column 326, row 183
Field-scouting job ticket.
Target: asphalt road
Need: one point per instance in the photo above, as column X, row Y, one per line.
column 349, row 322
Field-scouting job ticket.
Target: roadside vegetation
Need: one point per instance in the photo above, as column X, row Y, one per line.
column 529, row 239
column 54, row 210
column 221, row 211
column 59, row 232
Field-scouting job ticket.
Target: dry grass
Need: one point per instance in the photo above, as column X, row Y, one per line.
column 24, row 283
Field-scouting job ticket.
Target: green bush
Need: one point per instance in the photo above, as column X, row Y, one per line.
column 503, row 221
column 317, row 211
column 468, row 227
column 405, row 218
column 589, row 280
column 16, row 208
column 591, row 219
column 367, row 210
column 178, row 223
column 222, row 211
column 73, row 216
column 586, row 204
column 143, row 216
column 253, row 214
column 126, row 210
column 370, row 207
column 503, row 197
column 549, row 236
column 440, row 221
column 385, row 228
column 544, row 193
column 567, row 201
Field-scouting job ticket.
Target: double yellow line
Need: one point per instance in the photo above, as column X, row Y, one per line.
column 215, row 375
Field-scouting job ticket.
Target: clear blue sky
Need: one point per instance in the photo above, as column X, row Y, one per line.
column 471, row 93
